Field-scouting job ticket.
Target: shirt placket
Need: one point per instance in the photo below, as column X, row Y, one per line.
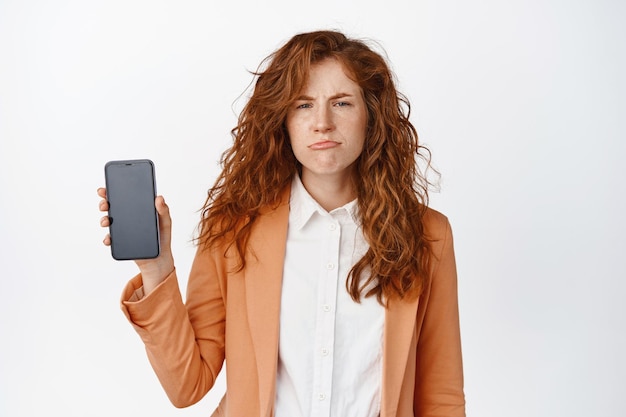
column 325, row 320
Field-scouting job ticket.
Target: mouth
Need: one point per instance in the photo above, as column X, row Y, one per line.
column 323, row 144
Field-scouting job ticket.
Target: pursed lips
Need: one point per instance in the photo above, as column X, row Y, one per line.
column 323, row 144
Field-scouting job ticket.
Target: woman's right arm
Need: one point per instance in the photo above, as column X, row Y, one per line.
column 186, row 357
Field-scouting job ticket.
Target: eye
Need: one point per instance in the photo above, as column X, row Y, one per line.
column 342, row 104
column 304, row 106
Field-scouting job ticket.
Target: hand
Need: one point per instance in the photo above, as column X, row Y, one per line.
column 153, row 271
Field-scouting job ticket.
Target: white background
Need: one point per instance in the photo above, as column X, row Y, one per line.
column 521, row 102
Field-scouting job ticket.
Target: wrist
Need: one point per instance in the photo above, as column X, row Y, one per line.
column 153, row 275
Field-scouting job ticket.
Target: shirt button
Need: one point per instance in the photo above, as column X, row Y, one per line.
column 326, row 308
column 332, row 226
column 321, row 397
column 324, row 352
column 330, row 265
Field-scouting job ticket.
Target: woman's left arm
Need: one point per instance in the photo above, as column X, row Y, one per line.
column 439, row 367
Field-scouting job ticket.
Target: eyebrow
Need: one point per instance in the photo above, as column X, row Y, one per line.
column 334, row 97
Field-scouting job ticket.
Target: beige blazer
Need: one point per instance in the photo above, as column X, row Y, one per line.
column 233, row 316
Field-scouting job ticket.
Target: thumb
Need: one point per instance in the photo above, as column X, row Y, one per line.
column 161, row 206
column 165, row 221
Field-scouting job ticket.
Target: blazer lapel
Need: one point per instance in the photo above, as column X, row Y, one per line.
column 399, row 330
column 263, row 281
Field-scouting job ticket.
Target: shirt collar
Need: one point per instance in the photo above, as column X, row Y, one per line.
column 303, row 206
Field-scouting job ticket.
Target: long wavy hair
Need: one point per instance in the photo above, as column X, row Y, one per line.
column 392, row 190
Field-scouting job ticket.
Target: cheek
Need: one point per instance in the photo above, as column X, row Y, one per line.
column 361, row 129
column 294, row 132
column 289, row 126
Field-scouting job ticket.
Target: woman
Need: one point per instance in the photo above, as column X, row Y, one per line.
column 321, row 276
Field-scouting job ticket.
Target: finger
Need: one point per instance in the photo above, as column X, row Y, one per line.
column 165, row 221
column 102, row 192
column 161, row 206
column 107, row 240
column 164, row 212
column 105, row 221
column 104, row 205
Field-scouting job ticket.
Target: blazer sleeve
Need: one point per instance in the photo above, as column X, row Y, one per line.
column 184, row 343
column 439, row 369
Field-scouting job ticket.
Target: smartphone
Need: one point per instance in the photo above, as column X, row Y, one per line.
column 134, row 222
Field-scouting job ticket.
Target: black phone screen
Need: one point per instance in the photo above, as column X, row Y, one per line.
column 134, row 226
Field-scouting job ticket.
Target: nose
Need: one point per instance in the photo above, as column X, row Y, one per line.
column 323, row 121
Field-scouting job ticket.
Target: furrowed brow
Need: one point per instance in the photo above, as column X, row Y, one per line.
column 341, row 95
column 334, row 97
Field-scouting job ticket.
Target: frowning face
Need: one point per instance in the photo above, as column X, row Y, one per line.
column 327, row 123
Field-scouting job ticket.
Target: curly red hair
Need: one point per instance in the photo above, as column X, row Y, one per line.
column 392, row 191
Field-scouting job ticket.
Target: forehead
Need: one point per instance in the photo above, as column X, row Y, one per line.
column 329, row 74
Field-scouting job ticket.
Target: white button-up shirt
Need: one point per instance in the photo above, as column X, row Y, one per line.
column 330, row 348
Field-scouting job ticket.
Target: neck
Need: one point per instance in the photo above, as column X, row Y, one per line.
column 329, row 191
